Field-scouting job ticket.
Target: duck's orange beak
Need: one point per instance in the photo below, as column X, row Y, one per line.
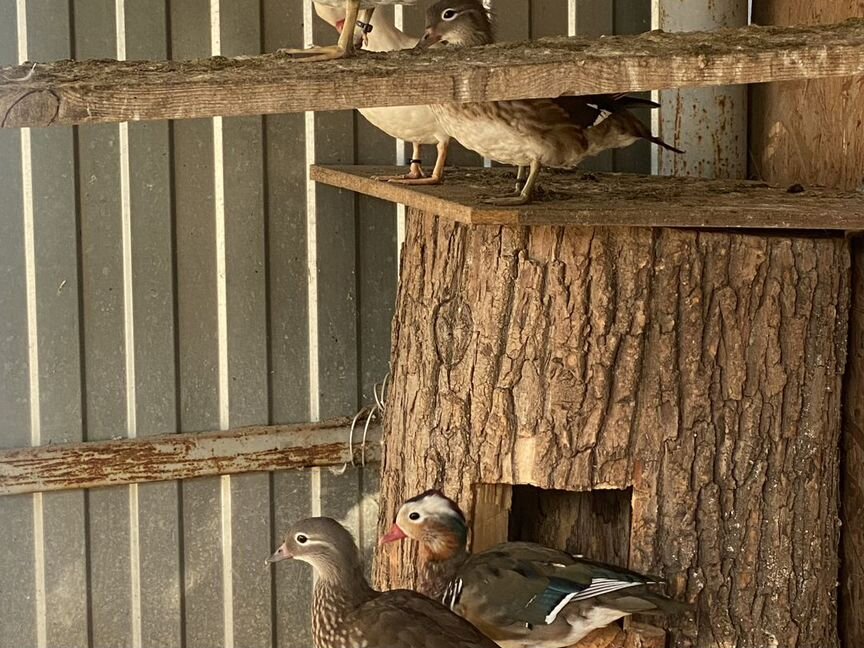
column 394, row 535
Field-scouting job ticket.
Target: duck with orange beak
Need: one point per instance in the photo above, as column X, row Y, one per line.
column 520, row 594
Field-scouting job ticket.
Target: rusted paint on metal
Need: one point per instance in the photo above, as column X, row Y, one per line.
column 710, row 124
column 180, row 456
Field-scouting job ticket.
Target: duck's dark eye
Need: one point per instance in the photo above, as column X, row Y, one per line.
column 449, row 14
column 301, row 539
column 414, row 516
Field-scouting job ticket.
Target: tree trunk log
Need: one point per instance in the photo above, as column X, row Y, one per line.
column 701, row 369
column 852, row 556
column 810, row 132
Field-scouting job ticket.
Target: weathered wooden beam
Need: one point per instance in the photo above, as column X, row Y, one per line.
column 613, row 199
column 78, row 92
column 181, row 456
column 490, row 522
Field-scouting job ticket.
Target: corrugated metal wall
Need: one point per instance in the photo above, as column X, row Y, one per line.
column 162, row 277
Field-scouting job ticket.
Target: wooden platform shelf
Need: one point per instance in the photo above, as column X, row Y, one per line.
column 78, row 92
column 591, row 199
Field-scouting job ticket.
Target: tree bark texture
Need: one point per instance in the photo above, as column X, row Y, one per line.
column 701, row 369
column 812, row 132
column 852, row 555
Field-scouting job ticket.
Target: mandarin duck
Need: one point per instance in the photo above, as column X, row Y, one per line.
column 519, row 594
column 348, row 613
column 531, row 133
column 347, row 43
column 415, row 124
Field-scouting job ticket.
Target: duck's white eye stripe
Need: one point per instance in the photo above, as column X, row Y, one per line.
column 449, row 14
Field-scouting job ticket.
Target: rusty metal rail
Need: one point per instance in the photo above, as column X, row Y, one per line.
column 182, row 456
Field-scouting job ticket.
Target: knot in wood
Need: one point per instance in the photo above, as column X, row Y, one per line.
column 453, row 324
column 31, row 108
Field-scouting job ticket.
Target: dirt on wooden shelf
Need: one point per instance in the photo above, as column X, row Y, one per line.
column 577, row 198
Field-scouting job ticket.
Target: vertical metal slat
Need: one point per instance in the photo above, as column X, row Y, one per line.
column 246, row 346
column 150, row 349
column 56, row 389
column 198, row 352
column 18, row 603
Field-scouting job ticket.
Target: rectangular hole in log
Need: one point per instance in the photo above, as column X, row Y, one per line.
column 595, row 523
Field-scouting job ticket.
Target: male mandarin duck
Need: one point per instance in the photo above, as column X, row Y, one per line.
column 519, row 594
column 346, row 44
column 415, row 124
column 348, row 613
column 532, row 133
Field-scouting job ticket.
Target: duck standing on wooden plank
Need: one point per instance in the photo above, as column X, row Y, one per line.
column 348, row 613
column 415, row 124
column 520, row 594
column 532, row 133
column 346, row 45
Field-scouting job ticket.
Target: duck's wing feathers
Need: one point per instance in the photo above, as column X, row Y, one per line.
column 405, row 619
column 581, row 111
column 531, row 584
column 586, row 110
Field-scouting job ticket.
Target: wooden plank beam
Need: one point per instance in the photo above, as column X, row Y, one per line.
column 614, row 199
column 490, row 523
column 78, row 92
column 181, row 456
